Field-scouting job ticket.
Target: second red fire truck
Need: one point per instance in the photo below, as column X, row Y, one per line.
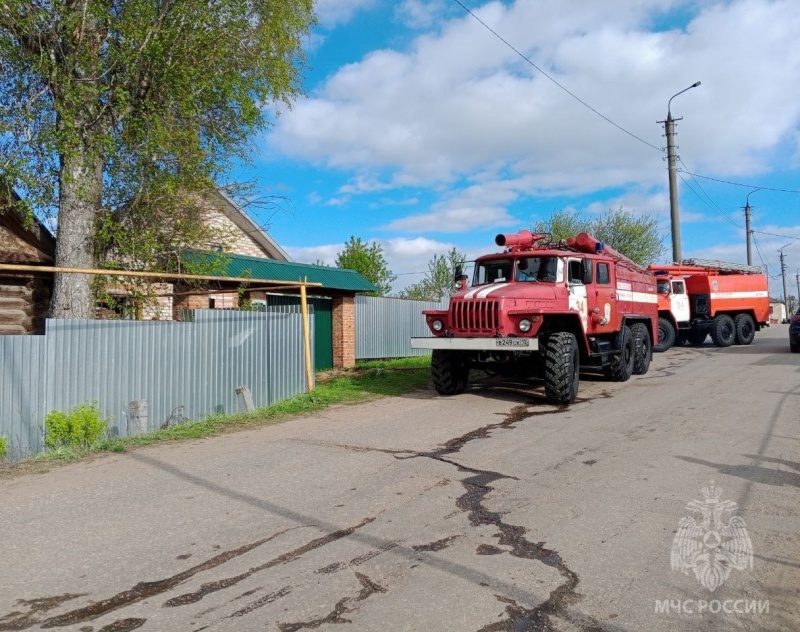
column 729, row 301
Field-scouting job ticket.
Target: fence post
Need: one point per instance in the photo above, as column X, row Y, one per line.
column 245, row 398
column 137, row 417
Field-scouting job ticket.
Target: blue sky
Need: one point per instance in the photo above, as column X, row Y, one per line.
column 421, row 130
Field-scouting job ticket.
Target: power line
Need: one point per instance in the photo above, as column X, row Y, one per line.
column 739, row 184
column 564, row 88
column 709, row 202
column 762, row 232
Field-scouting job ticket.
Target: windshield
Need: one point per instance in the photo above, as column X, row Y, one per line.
column 663, row 286
column 528, row 269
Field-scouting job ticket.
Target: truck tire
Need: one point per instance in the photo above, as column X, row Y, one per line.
column 697, row 338
column 561, row 368
column 723, row 330
column 794, row 347
column 643, row 348
column 745, row 329
column 666, row 335
column 449, row 372
column 621, row 367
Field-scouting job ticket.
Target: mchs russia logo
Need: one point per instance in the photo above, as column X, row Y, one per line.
column 712, row 543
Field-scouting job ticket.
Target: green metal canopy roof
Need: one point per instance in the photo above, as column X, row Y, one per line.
column 338, row 279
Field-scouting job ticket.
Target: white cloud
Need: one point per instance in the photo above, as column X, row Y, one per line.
column 418, row 14
column 311, row 254
column 479, row 205
column 333, row 12
column 459, row 99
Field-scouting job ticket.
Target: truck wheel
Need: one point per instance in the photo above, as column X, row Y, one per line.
column 621, row 367
column 745, row 329
column 643, row 349
column 666, row 335
column 794, row 347
column 723, row 331
column 697, row 338
column 561, row 362
column 449, row 372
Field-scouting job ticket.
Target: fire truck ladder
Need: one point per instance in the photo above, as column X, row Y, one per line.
column 722, row 266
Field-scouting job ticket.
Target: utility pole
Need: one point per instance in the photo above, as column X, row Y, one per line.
column 783, row 274
column 797, row 277
column 669, row 132
column 747, row 229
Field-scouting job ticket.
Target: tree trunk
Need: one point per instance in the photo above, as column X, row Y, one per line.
column 80, row 182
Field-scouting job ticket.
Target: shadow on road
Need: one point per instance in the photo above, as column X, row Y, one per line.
column 753, row 473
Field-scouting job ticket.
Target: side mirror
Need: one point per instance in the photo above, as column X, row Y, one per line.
column 460, row 279
column 586, row 271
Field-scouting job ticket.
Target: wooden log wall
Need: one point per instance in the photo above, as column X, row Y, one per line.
column 24, row 303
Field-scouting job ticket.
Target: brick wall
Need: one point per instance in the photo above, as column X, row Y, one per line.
column 344, row 331
column 232, row 238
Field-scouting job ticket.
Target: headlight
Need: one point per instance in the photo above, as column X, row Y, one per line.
column 438, row 325
column 524, row 325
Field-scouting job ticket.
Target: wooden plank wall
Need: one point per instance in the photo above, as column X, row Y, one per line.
column 24, row 302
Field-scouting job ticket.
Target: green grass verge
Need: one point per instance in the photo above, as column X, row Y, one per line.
column 367, row 381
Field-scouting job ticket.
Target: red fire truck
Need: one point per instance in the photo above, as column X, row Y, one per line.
column 730, row 301
column 548, row 310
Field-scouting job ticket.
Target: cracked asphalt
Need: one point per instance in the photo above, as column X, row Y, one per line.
column 490, row 511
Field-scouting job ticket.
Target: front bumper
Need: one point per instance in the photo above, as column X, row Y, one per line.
column 476, row 344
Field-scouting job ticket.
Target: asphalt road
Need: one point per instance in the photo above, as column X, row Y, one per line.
column 491, row 510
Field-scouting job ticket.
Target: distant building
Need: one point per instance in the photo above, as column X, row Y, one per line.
column 777, row 312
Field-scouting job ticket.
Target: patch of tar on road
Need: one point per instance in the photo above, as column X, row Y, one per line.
column 123, row 625
column 438, row 545
column 488, row 549
column 477, row 487
column 331, row 568
column 262, row 601
column 343, row 606
column 143, row 590
column 17, row 620
column 212, row 587
column 386, row 546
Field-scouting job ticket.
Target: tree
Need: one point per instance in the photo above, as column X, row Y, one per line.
column 439, row 282
column 637, row 237
column 368, row 260
column 111, row 108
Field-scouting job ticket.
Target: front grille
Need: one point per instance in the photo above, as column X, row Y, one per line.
column 477, row 316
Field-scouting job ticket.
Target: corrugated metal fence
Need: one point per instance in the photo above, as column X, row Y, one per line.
column 385, row 326
column 184, row 370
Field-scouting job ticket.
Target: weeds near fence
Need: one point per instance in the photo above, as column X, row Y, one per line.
column 3, row 448
column 78, row 429
column 367, row 381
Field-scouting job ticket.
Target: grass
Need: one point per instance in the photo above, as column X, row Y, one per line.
column 368, row 380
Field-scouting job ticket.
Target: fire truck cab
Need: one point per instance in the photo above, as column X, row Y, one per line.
column 547, row 310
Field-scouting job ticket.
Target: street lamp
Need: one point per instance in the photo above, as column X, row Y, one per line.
column 669, row 132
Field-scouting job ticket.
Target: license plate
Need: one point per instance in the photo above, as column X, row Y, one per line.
column 513, row 342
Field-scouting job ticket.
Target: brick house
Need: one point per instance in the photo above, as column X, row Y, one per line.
column 249, row 252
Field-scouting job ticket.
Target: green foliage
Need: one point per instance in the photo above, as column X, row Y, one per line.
column 368, row 260
column 110, row 112
column 439, row 282
column 82, row 427
column 3, row 448
column 635, row 236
